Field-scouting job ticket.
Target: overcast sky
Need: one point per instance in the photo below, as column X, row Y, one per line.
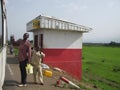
column 103, row 16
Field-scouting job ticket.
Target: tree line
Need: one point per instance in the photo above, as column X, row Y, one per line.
column 111, row 44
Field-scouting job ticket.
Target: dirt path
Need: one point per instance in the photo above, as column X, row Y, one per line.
column 12, row 79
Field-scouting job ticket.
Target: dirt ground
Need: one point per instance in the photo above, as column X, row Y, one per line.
column 12, row 79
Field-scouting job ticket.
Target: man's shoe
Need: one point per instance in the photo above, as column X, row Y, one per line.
column 20, row 85
column 24, row 85
column 41, row 84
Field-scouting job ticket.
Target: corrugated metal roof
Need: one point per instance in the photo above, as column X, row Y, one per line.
column 50, row 22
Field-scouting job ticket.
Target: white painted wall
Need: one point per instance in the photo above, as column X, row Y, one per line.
column 61, row 39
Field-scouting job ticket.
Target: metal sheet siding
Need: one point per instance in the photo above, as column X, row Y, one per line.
column 62, row 39
column 66, row 59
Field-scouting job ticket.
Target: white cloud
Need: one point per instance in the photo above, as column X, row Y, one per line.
column 84, row 7
column 74, row 7
column 111, row 4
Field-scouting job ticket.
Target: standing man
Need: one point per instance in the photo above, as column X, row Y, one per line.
column 37, row 58
column 24, row 56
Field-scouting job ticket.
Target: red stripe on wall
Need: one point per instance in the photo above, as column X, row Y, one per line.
column 66, row 59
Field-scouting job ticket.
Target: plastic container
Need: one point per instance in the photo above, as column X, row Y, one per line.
column 29, row 69
column 48, row 73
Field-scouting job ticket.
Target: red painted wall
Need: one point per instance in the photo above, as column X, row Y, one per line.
column 66, row 59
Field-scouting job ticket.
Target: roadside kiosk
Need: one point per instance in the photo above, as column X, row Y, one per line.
column 61, row 41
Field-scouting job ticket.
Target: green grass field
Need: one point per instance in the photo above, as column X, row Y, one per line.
column 101, row 67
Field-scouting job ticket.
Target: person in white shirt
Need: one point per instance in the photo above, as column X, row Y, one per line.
column 37, row 57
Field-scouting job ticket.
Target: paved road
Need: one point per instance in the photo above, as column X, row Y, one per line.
column 12, row 78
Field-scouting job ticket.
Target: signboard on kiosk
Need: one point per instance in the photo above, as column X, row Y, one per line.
column 36, row 24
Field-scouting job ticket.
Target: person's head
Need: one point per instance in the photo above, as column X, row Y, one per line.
column 32, row 48
column 37, row 48
column 25, row 36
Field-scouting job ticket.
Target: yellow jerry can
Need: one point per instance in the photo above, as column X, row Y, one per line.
column 48, row 73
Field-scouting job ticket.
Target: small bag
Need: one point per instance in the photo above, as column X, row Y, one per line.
column 29, row 69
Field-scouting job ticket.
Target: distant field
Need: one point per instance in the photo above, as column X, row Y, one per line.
column 101, row 67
